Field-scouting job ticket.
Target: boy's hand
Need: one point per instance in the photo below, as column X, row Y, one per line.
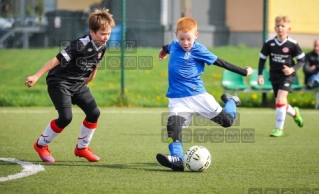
column 162, row 55
column 288, row 70
column 87, row 81
column 260, row 80
column 312, row 67
column 249, row 70
column 30, row 81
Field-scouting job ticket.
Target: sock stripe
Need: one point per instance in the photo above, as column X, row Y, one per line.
column 280, row 105
column 89, row 125
column 54, row 127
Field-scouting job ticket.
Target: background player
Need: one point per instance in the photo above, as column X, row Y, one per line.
column 186, row 92
column 69, row 72
column 311, row 67
column 281, row 51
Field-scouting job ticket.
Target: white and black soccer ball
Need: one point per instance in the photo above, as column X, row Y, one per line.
column 197, row 158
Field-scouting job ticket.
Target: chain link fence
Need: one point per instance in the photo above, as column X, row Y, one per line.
column 45, row 23
column 37, row 24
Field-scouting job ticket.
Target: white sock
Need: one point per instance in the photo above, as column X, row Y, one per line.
column 291, row 111
column 280, row 116
column 86, row 133
column 50, row 132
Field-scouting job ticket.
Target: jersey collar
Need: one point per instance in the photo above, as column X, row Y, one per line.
column 97, row 48
column 281, row 43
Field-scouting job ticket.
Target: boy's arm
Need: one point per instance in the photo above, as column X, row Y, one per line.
column 163, row 52
column 224, row 64
column 300, row 63
column 92, row 76
column 261, row 66
column 31, row 80
column 289, row 70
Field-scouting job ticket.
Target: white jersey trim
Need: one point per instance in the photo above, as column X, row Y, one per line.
column 302, row 55
column 65, row 55
column 262, row 56
column 85, row 40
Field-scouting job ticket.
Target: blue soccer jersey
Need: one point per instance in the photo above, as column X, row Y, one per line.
column 185, row 68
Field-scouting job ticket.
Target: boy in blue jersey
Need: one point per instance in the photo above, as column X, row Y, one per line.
column 186, row 92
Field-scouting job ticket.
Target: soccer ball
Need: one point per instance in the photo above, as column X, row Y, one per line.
column 197, row 158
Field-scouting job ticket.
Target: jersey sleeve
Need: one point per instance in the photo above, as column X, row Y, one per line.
column 171, row 46
column 298, row 52
column 203, row 54
column 69, row 52
column 264, row 53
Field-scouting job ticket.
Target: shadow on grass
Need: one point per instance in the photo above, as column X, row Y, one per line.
column 146, row 166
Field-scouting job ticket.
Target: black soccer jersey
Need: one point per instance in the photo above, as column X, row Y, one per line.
column 280, row 53
column 77, row 61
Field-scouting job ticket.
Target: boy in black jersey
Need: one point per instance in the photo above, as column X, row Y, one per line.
column 69, row 72
column 281, row 51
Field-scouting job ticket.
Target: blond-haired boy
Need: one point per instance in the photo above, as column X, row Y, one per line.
column 281, row 51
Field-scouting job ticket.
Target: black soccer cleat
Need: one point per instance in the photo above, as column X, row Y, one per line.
column 225, row 97
column 172, row 162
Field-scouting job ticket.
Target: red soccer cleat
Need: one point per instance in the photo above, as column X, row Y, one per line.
column 43, row 152
column 86, row 153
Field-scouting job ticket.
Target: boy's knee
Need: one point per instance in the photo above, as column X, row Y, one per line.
column 94, row 115
column 63, row 121
column 224, row 119
column 175, row 120
column 174, row 127
column 228, row 123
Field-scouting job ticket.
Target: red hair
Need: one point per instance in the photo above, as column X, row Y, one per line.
column 186, row 24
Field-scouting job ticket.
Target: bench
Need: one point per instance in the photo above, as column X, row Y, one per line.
column 232, row 82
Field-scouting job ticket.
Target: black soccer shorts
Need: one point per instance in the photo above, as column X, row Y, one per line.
column 63, row 98
column 283, row 85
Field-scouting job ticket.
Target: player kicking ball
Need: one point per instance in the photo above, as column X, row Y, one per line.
column 186, row 93
column 69, row 73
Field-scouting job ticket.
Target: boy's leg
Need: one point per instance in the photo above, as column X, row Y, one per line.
column 175, row 145
column 56, row 126
column 295, row 113
column 281, row 91
column 226, row 117
column 87, row 103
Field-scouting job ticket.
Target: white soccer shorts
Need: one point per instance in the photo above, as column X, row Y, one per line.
column 202, row 105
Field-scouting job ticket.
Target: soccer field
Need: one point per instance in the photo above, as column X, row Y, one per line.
column 128, row 139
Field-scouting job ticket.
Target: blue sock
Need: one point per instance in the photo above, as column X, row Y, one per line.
column 176, row 149
column 230, row 108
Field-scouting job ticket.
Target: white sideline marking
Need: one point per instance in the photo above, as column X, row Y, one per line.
column 28, row 169
column 137, row 112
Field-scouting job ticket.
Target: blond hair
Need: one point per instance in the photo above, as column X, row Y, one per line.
column 100, row 19
column 186, row 24
column 283, row 18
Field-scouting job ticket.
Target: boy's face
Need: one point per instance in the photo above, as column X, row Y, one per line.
column 282, row 28
column 186, row 39
column 101, row 36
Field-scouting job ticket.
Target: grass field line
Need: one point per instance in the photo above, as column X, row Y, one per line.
column 28, row 169
column 103, row 111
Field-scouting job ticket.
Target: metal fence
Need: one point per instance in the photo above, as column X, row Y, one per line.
column 37, row 23
column 26, row 25
column 45, row 23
